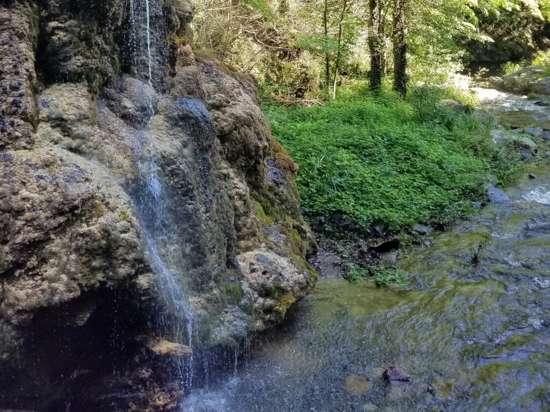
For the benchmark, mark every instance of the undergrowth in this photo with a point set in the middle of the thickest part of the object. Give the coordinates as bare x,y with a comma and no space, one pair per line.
541,60
380,275
383,161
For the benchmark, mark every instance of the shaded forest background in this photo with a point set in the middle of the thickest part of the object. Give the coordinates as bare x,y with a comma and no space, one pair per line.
305,50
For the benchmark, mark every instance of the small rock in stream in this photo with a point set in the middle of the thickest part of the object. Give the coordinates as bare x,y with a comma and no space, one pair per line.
496,195
532,176
534,131
526,143
328,264
422,229
164,347
536,323
395,374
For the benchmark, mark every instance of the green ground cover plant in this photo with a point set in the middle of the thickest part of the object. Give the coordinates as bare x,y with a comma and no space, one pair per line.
379,160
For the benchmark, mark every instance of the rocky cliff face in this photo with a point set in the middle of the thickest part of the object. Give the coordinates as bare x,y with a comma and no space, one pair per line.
77,294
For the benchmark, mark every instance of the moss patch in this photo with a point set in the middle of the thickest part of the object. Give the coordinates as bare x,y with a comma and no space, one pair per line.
521,119
263,217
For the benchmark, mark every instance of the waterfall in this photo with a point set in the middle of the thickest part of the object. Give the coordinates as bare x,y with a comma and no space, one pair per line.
151,197
148,30
151,201
147,39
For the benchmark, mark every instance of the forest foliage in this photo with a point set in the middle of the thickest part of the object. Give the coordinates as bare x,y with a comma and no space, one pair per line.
286,44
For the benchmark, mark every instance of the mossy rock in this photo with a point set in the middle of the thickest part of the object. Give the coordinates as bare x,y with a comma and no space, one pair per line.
521,120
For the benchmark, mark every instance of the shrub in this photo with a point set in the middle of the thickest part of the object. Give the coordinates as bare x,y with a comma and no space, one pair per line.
355,273
382,276
385,277
542,59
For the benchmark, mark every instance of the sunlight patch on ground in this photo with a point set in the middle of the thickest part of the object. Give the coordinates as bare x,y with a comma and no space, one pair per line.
489,95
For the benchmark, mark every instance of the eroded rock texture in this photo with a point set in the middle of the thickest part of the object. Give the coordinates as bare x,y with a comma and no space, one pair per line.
18,38
77,294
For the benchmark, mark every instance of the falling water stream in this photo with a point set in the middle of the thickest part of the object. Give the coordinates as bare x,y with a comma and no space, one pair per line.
152,201
146,40
148,31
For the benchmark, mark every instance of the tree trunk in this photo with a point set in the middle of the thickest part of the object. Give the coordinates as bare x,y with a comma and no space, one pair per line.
283,8
375,44
339,48
382,35
400,48
327,51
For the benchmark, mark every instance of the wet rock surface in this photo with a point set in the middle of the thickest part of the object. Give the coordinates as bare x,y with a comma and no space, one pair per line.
497,195
74,47
18,42
74,262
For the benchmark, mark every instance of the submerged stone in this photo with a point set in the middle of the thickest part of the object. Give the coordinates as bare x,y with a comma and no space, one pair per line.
534,131
496,195
356,385
422,229
395,374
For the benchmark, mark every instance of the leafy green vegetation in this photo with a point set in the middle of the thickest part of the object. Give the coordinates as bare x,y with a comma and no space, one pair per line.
542,60
355,273
382,276
309,50
380,160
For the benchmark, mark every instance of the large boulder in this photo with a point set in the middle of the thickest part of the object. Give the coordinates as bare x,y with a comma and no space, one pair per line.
530,80
70,260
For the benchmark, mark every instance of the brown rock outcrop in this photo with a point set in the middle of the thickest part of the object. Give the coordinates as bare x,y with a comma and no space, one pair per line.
74,266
